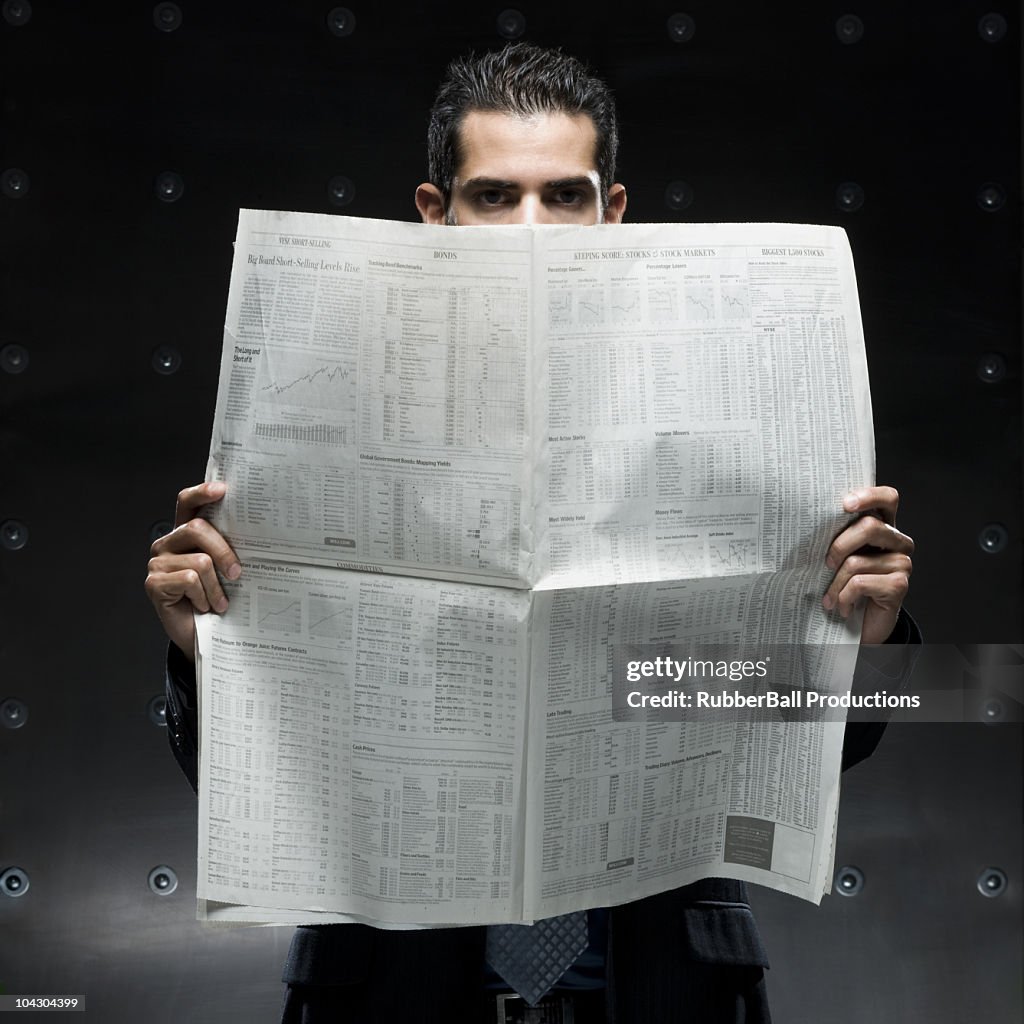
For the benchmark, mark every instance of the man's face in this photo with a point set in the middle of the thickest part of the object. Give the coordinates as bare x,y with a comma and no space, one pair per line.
514,170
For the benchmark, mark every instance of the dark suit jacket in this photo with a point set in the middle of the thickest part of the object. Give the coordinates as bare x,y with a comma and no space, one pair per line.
691,954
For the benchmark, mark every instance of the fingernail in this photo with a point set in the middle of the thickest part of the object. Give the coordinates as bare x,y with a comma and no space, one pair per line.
234,571
851,501
830,562
216,485
222,604
828,602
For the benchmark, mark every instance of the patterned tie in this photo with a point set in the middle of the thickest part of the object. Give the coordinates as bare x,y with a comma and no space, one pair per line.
532,958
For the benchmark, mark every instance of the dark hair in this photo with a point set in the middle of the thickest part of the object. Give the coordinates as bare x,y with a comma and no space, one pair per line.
520,79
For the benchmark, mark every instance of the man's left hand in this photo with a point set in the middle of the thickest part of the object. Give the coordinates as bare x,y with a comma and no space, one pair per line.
872,561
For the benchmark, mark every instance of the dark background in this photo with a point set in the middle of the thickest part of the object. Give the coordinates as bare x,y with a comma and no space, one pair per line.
765,113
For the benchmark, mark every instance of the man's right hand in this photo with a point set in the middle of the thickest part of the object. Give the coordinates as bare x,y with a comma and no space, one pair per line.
184,565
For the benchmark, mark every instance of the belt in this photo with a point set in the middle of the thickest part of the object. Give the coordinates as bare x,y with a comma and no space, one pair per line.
558,1007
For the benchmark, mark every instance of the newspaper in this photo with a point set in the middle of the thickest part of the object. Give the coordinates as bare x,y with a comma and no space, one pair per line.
469,470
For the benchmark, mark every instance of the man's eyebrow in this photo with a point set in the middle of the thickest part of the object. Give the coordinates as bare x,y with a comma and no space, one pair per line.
571,183
487,183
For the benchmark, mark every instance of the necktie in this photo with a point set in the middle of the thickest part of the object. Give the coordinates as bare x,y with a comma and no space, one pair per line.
532,957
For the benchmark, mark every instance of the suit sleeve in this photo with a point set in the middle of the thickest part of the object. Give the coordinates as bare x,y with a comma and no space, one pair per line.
182,718
887,667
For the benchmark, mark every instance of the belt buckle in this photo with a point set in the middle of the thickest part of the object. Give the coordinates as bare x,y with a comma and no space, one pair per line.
552,1009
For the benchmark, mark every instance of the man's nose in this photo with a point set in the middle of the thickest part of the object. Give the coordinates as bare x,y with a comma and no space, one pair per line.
532,210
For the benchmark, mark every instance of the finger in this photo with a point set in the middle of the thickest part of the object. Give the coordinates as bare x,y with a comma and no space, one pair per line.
883,500
887,590
168,589
199,563
865,564
192,498
868,531
199,535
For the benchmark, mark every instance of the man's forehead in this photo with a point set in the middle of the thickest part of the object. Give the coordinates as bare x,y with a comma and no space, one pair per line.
552,146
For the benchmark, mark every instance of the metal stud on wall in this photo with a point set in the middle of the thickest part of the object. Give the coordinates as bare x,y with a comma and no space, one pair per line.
130,142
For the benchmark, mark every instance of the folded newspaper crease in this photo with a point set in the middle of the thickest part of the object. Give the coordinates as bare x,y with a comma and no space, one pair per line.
464,466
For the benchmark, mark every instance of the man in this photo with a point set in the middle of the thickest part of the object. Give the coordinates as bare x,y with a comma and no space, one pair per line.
527,136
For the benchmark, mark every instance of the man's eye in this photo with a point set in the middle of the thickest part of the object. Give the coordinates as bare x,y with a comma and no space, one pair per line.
490,197
570,197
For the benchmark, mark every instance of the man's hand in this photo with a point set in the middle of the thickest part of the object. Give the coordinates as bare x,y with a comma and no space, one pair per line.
184,564
872,561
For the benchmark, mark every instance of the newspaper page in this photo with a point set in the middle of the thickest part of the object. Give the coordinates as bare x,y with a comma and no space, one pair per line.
702,400
703,405
625,803
373,402
362,745
651,425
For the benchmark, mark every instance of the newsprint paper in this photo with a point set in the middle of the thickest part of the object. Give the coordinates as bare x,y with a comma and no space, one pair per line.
471,473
